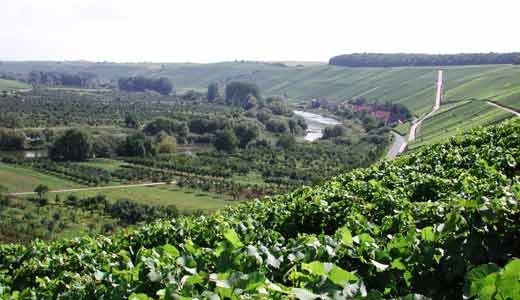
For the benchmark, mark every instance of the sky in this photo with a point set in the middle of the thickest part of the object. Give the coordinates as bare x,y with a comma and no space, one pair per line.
264,30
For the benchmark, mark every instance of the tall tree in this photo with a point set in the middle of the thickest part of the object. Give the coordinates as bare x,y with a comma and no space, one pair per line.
212,92
226,140
74,145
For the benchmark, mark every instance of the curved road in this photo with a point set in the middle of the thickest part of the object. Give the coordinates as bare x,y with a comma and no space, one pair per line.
399,140
436,106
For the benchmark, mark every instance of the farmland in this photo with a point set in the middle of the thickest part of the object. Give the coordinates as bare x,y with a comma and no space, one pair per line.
457,117
412,86
10,85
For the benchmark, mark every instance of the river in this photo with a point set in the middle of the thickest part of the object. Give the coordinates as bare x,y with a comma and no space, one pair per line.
315,124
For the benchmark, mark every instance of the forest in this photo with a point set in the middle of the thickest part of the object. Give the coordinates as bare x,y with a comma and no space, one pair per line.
417,60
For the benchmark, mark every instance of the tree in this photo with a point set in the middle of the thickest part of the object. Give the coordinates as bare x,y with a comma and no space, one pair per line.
3,196
334,131
246,133
12,139
161,85
138,144
131,121
74,145
166,125
167,144
226,140
238,93
212,92
286,141
41,190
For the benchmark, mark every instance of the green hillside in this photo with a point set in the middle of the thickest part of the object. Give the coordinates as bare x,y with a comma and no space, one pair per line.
9,85
457,117
412,86
443,223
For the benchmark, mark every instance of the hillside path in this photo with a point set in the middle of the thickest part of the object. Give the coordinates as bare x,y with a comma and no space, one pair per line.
110,187
437,104
517,113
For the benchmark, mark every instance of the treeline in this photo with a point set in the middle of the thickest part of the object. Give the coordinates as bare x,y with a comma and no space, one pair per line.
161,85
81,79
404,59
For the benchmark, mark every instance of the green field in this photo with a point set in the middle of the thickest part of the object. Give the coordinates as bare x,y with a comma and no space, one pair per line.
457,117
19,179
184,200
9,85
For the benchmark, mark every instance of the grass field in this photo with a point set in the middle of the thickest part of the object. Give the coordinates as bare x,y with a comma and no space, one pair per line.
184,200
19,179
10,85
457,117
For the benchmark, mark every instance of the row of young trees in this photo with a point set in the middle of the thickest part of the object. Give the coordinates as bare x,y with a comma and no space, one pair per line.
405,59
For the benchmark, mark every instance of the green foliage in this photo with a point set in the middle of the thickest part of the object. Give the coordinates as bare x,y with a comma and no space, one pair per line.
334,131
226,140
167,125
12,139
167,144
161,85
405,59
238,93
138,144
213,92
41,190
415,226
73,145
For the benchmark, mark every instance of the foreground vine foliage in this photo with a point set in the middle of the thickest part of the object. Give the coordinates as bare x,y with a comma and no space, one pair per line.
443,223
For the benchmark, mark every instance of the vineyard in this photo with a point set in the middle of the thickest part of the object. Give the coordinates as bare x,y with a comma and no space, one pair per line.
442,223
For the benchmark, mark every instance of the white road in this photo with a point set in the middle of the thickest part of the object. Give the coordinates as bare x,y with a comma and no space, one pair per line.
399,140
436,106
110,187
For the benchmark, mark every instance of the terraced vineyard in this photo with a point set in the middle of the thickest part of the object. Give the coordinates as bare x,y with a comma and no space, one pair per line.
442,223
457,117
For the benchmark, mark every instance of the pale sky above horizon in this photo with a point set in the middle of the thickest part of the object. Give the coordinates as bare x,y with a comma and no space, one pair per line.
267,30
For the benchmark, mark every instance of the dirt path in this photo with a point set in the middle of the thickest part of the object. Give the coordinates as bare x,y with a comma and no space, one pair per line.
517,113
110,187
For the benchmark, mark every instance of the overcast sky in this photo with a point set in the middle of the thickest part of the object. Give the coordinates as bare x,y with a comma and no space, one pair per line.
269,30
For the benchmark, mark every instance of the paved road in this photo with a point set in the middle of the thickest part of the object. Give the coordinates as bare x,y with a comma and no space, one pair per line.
111,187
436,106
399,140
517,113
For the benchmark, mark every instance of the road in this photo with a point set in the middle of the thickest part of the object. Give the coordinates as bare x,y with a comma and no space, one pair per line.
111,187
436,106
399,140
517,113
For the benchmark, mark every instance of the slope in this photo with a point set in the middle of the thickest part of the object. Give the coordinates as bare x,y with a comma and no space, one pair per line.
435,223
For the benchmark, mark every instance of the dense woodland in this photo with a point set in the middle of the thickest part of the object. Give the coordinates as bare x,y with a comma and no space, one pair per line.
416,60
